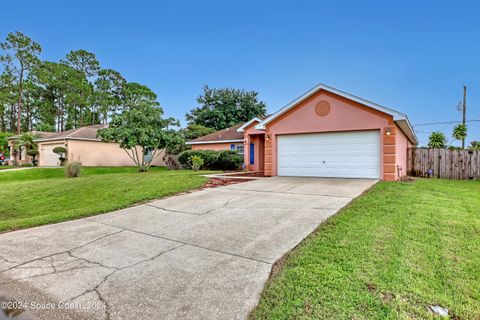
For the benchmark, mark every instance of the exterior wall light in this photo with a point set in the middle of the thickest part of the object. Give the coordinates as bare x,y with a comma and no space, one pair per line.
388,131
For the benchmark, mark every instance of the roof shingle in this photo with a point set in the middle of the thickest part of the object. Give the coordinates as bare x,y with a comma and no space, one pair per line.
222,135
87,133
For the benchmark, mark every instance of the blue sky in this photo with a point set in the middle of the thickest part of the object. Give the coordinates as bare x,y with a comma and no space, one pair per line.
413,56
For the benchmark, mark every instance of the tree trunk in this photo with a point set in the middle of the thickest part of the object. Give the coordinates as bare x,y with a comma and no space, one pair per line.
28,118
19,111
13,117
81,116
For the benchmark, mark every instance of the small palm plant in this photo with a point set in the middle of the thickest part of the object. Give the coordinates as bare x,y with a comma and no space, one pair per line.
27,141
437,140
474,145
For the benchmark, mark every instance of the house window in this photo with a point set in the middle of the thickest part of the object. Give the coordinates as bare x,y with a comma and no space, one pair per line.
240,149
148,155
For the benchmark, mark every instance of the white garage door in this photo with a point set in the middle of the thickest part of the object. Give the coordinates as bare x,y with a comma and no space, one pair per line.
339,154
48,158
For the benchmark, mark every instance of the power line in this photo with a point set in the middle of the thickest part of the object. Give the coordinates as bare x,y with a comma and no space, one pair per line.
473,112
444,122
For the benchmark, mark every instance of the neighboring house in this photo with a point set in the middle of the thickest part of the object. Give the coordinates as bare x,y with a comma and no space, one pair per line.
22,157
82,144
323,133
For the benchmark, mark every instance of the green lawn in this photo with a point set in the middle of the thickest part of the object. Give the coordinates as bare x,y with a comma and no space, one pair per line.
39,196
388,255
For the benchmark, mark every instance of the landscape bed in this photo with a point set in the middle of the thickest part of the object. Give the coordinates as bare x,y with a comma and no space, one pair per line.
393,253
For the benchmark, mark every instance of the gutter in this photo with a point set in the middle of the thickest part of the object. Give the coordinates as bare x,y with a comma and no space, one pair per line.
212,142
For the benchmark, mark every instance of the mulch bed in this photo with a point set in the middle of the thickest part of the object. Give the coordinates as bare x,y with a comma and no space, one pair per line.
248,174
220,182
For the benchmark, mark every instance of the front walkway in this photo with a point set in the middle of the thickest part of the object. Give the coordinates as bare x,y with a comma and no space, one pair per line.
202,255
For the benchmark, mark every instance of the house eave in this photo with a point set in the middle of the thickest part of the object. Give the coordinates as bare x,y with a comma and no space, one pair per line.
66,138
242,128
212,142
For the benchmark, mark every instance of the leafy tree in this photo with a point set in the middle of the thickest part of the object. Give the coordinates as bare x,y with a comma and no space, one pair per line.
86,63
83,61
4,142
140,129
8,100
193,131
109,91
223,108
437,140
474,145
459,132
25,52
62,87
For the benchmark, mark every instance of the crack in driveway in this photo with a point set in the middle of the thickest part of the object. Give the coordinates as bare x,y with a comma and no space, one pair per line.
64,251
286,192
97,287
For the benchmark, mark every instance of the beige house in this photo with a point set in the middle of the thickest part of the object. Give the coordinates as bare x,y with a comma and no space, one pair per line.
82,144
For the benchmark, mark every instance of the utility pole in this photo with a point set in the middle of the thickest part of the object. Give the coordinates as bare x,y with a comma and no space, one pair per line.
464,111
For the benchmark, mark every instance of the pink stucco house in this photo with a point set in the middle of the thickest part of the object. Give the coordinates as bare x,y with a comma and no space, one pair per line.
82,144
323,133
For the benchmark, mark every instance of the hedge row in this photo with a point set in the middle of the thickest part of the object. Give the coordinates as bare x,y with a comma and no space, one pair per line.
213,160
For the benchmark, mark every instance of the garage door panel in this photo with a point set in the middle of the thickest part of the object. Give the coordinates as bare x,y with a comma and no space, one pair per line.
48,157
341,154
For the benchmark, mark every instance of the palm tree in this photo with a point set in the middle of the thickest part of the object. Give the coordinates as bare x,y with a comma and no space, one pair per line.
460,132
27,141
474,145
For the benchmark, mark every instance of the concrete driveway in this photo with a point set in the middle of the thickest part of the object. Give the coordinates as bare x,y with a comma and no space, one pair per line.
202,255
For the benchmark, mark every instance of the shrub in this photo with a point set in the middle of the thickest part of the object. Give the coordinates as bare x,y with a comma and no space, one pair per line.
33,153
212,160
197,162
61,151
229,160
208,156
72,169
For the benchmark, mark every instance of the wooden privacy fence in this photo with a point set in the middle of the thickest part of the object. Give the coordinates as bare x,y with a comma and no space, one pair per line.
444,163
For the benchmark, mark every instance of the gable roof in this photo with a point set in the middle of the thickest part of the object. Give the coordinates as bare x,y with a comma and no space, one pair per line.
400,118
246,124
250,122
82,133
222,136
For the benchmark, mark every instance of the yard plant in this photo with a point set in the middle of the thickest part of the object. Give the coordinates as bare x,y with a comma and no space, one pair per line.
437,140
212,160
72,169
197,162
62,153
390,254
